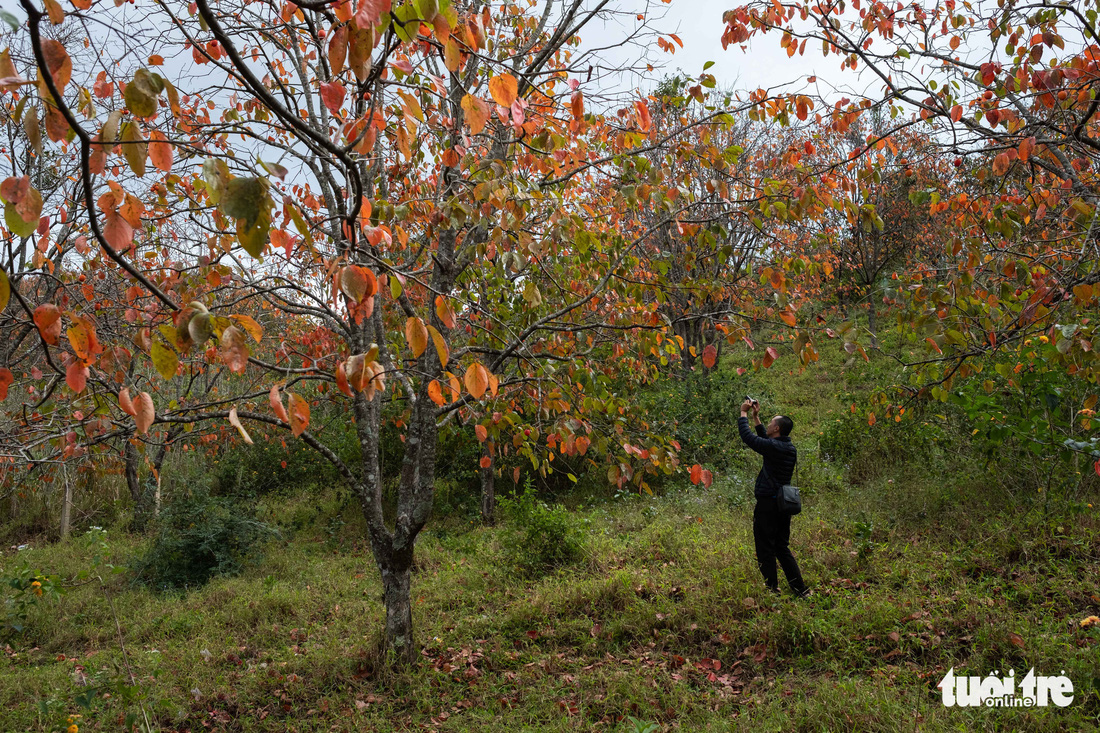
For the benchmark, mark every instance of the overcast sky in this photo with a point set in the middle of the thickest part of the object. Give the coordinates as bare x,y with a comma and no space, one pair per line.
699,25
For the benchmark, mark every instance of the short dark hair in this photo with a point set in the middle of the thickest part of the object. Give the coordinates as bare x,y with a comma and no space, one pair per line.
786,425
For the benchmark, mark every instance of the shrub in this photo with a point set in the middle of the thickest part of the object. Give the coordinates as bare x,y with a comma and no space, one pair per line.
868,450
540,538
201,537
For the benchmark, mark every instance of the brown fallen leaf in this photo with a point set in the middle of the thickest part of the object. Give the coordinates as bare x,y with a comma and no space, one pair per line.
1016,639
749,602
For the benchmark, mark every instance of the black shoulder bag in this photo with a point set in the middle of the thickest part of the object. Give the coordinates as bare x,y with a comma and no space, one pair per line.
787,499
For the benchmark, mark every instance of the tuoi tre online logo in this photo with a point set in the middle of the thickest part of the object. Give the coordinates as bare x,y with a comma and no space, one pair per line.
1033,690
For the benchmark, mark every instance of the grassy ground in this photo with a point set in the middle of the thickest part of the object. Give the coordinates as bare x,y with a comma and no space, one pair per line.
664,621
921,567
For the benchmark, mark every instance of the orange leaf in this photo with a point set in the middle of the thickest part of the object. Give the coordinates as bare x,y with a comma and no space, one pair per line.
440,346
47,317
477,112
477,380
503,89
124,402
644,120
582,444
145,412
358,283
83,339
160,151
253,329
1027,146
342,379
444,311
871,419
770,355
486,461
788,317
299,414
277,404
435,392
452,56
482,433
234,349
417,336
338,49
696,473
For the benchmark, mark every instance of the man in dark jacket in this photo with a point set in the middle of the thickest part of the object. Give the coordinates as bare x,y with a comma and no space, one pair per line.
771,529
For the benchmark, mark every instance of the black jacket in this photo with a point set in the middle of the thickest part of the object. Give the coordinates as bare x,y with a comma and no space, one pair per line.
780,457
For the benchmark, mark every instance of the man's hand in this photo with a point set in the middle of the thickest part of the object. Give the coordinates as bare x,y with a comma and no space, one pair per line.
746,406
756,410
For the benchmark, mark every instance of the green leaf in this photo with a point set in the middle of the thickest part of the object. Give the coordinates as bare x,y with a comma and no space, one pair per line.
216,174
407,25
142,92
10,19
134,148
247,200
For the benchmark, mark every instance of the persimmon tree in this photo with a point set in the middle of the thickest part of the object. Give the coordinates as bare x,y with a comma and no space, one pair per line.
1007,93
390,208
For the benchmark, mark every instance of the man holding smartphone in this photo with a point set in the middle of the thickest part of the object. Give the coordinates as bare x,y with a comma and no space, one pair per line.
771,528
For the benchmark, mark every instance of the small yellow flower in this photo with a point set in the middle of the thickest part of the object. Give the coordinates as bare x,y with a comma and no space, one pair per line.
1044,339
72,729
1090,621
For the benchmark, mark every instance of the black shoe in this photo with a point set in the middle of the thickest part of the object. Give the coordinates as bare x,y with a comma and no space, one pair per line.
805,593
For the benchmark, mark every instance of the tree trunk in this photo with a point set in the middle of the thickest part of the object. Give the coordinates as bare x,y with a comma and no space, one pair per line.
142,496
67,509
488,492
872,319
399,629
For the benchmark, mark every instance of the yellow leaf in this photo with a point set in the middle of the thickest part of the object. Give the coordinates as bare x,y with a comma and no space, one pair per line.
236,422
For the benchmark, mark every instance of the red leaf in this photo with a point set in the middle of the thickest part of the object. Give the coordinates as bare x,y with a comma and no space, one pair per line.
76,376
370,11
710,356
770,355
7,379
486,461
696,473
332,94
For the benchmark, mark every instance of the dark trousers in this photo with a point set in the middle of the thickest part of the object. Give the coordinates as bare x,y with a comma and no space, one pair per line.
772,533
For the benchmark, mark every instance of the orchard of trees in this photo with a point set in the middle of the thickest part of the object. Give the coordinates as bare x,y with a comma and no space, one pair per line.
250,220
